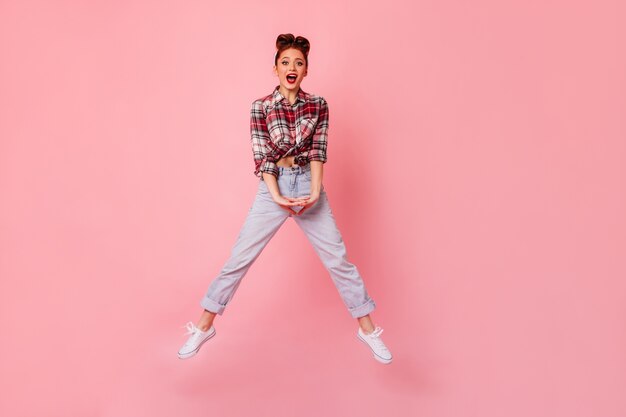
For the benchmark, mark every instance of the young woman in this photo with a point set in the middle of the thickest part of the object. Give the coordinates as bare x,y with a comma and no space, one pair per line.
289,130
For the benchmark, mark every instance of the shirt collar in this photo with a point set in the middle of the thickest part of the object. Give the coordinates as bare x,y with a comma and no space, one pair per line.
277,96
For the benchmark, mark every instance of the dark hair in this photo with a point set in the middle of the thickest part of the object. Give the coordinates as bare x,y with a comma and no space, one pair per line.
287,40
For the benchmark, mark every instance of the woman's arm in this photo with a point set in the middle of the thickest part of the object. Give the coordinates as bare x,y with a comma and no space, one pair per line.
317,173
319,142
272,184
317,153
262,151
317,156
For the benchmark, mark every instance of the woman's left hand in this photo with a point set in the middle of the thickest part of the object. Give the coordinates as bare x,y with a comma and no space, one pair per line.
312,198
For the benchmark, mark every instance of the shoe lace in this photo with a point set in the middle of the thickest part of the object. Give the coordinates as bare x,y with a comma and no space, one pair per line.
191,329
376,340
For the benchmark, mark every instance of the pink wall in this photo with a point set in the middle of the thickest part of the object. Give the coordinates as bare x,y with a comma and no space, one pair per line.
475,168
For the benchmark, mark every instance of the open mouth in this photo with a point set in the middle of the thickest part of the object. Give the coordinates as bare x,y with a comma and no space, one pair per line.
292,78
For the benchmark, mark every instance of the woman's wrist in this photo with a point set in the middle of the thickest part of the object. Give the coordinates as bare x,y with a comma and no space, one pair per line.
272,184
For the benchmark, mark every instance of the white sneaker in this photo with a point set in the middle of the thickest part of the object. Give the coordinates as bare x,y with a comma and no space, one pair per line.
197,338
375,343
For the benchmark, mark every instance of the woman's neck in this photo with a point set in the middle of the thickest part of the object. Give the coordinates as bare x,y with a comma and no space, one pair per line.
290,95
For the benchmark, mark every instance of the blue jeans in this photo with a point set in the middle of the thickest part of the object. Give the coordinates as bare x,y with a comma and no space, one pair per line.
264,219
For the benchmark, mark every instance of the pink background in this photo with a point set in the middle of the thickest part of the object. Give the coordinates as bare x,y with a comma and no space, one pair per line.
475,168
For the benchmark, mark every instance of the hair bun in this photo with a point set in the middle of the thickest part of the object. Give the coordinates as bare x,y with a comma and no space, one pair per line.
304,43
284,39
287,40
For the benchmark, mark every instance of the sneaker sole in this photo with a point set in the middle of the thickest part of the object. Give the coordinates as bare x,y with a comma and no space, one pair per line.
377,357
193,352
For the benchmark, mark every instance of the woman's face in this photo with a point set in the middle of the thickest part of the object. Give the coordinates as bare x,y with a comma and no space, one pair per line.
290,62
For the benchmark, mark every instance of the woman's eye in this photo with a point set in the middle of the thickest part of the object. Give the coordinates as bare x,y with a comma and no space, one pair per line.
300,63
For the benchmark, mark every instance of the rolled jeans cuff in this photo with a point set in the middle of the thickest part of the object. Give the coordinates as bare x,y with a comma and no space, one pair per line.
363,310
212,306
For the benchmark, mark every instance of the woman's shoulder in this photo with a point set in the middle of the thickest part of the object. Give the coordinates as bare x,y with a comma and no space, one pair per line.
315,98
308,96
267,101
263,100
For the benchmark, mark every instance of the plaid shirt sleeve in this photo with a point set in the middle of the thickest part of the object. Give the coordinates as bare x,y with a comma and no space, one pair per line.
320,137
260,137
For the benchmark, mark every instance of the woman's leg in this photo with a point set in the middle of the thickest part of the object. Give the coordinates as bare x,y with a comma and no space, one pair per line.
366,324
319,226
264,219
206,320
